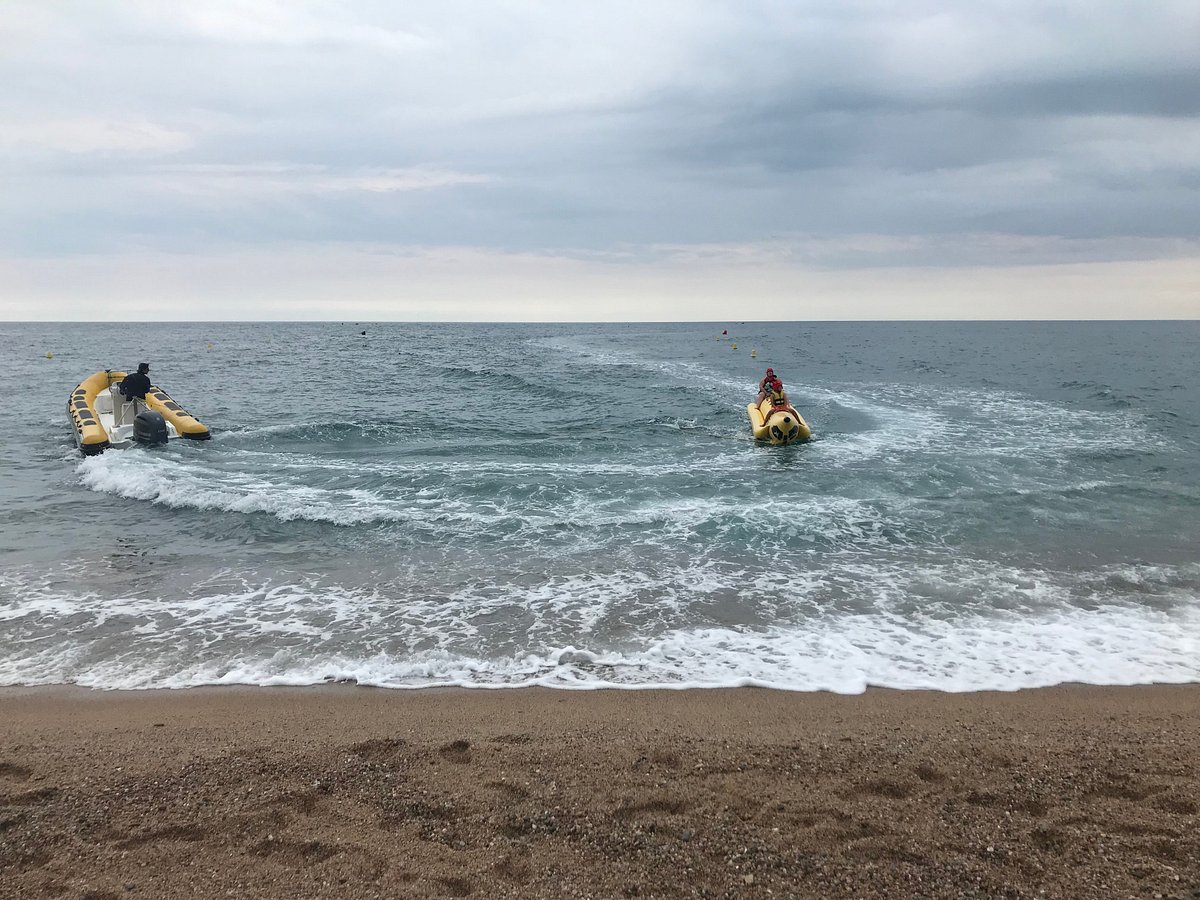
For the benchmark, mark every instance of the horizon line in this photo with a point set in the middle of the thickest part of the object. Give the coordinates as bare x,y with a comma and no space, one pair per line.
583,321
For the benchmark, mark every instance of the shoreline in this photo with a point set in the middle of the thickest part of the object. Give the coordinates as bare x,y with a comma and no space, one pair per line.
344,791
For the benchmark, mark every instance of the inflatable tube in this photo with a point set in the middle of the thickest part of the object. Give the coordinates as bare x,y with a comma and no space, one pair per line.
90,433
81,407
185,423
777,424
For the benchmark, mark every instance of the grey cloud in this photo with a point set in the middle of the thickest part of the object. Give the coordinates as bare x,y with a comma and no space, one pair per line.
1174,93
628,126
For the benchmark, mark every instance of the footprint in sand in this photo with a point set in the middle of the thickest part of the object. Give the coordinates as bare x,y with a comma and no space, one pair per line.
299,853
32,798
457,751
456,887
512,739
378,748
13,772
660,806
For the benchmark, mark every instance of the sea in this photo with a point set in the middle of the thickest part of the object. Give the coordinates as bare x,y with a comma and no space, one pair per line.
983,506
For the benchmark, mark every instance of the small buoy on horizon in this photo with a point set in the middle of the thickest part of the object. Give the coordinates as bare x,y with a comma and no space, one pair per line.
735,346
364,332
49,355
210,345
726,331
753,354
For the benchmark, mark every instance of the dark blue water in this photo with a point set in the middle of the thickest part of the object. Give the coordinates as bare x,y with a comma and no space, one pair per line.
984,505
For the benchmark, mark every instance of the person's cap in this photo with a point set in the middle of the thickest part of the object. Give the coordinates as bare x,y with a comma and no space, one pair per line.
143,368
770,371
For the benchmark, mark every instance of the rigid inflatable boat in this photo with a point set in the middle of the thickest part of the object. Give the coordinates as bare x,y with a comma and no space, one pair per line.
102,417
777,422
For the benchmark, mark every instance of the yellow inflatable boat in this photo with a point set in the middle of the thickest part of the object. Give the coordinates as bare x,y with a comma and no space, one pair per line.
102,417
777,422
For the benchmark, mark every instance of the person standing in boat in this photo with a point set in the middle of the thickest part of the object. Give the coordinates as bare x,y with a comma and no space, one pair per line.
134,387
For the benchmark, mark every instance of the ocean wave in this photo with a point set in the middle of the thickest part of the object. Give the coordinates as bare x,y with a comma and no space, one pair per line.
522,505
960,424
138,476
1110,646
954,627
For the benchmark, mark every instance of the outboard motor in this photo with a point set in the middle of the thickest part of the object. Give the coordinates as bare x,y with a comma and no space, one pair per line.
149,427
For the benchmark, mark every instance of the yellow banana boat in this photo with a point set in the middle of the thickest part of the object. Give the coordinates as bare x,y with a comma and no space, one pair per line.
102,417
777,422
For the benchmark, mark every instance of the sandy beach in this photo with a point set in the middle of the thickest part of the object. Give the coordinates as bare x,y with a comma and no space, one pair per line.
350,792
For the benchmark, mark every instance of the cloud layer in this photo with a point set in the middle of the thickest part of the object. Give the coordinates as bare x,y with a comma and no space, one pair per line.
818,137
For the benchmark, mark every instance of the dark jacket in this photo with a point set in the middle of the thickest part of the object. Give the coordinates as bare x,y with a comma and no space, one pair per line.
135,385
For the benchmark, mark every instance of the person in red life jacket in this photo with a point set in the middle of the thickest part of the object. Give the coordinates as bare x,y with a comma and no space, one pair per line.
778,397
764,386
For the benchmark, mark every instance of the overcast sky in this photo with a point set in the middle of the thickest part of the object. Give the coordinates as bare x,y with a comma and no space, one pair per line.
658,160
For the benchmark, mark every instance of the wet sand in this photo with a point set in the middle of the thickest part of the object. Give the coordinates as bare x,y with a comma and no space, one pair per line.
350,792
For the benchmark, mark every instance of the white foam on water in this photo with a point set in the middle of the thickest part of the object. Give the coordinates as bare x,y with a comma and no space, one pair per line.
280,492
997,425
178,485
663,519
1112,646
991,425
891,627
987,448
933,418
652,465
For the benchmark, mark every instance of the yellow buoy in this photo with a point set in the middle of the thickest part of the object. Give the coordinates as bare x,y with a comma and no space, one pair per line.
753,354
735,346
49,355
